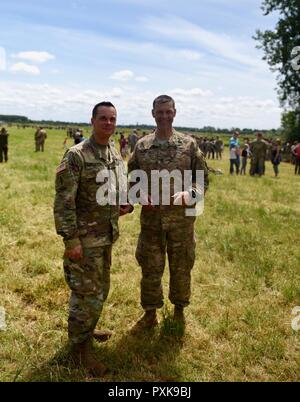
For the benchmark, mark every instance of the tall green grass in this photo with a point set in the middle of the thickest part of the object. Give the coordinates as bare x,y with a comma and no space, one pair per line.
245,282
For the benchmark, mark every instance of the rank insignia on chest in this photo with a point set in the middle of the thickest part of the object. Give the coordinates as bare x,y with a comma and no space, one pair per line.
61,167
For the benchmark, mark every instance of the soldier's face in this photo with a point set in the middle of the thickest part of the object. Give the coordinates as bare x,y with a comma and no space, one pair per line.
104,123
164,114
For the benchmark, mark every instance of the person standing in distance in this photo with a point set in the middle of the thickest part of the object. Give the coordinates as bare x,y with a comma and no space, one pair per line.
3,145
258,150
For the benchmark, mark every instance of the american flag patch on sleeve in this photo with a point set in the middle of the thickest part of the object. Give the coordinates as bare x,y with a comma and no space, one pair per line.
61,167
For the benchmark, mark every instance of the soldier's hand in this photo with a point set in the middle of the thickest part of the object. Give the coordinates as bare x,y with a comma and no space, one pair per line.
125,209
75,253
182,198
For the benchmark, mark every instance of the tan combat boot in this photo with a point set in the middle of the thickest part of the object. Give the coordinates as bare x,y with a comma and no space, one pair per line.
101,335
147,322
179,315
82,355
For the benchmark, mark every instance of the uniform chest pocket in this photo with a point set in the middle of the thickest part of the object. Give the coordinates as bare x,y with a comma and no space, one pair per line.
182,158
92,170
148,158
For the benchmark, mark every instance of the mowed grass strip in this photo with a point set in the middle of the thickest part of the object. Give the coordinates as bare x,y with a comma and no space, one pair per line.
245,282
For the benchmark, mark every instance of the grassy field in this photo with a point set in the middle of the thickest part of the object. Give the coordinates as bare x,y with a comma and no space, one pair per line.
245,283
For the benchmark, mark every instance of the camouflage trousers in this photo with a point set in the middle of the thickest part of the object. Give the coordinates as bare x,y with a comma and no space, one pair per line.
297,165
89,281
257,166
39,146
3,153
154,243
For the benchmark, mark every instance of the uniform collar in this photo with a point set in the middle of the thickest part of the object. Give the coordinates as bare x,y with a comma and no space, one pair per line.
100,150
173,141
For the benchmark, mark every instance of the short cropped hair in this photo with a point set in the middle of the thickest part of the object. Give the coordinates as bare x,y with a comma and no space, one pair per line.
106,104
163,99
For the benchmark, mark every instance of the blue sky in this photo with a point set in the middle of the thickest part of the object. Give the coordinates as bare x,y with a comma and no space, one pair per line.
59,58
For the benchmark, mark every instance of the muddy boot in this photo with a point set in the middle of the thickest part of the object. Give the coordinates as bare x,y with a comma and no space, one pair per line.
147,322
179,315
82,355
101,335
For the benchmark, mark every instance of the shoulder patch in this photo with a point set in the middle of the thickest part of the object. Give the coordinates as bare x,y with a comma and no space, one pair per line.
61,167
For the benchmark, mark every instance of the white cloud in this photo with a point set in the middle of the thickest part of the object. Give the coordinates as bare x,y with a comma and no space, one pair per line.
127,75
190,55
45,101
150,51
195,107
221,45
2,59
115,92
35,57
123,75
190,92
25,68
141,79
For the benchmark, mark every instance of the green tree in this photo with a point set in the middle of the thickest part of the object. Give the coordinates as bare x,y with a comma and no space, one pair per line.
278,45
290,123
13,118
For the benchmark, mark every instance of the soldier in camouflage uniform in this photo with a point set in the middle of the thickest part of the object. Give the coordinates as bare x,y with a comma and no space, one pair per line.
36,139
3,145
166,229
258,149
40,137
219,148
89,230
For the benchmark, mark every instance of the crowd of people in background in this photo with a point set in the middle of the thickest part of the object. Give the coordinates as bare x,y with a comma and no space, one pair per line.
257,151
74,133
127,145
212,148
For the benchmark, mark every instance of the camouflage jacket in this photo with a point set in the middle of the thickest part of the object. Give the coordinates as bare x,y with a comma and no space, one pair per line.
180,152
258,148
4,139
40,135
78,216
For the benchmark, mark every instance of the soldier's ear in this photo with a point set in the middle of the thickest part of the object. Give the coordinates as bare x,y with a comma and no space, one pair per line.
175,112
153,115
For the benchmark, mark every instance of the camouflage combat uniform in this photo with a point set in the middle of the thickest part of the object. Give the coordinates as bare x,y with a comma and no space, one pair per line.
41,137
219,148
3,145
258,150
81,220
166,229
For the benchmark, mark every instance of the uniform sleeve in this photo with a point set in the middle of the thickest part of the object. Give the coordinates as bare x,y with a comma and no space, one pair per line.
131,166
133,162
66,186
199,163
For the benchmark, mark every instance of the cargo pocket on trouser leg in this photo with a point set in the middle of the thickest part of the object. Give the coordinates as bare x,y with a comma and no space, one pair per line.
150,255
106,271
85,280
181,261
